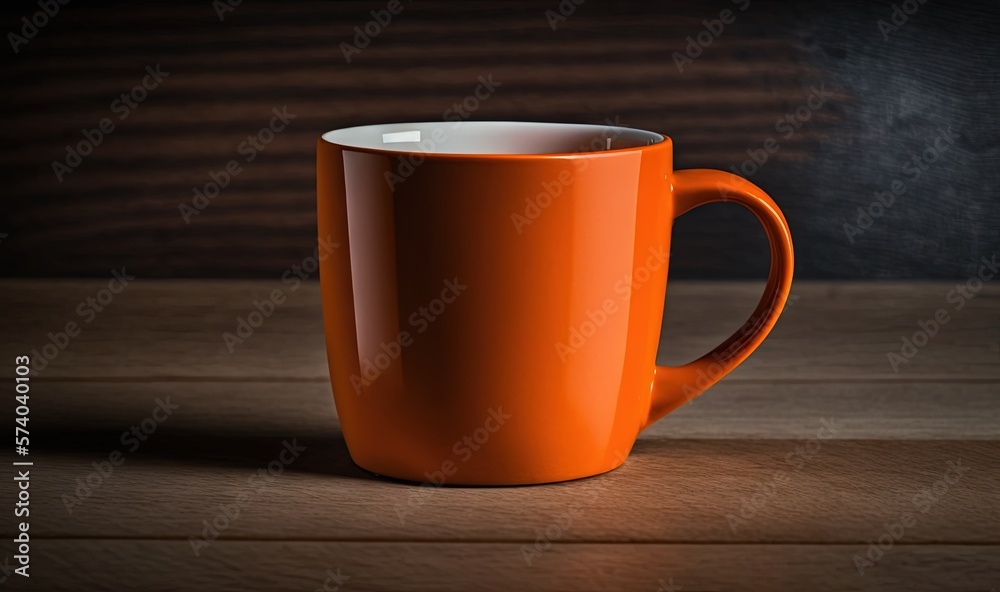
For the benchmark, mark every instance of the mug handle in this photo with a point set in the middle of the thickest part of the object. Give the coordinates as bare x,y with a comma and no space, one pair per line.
675,385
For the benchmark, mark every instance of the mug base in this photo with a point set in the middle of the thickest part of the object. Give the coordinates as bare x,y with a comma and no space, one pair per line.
492,480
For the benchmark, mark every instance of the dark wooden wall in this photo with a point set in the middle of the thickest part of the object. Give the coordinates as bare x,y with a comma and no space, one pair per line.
890,99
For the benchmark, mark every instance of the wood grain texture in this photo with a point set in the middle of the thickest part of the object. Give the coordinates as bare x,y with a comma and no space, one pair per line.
677,491
889,99
167,566
174,329
732,410
741,489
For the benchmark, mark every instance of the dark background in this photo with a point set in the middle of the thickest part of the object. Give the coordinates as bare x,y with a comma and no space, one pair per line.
891,99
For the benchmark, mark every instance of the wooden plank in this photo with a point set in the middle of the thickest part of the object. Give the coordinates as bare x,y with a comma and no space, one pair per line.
677,491
385,55
174,329
460,80
731,410
168,566
912,411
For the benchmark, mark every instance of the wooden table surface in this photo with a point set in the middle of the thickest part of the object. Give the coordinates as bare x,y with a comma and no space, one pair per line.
778,478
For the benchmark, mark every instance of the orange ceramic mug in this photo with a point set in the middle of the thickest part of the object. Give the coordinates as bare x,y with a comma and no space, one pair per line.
493,309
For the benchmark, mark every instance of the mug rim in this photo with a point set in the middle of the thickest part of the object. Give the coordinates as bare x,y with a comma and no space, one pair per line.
331,138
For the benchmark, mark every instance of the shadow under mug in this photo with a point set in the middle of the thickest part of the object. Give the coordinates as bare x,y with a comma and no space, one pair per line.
493,293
